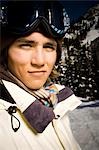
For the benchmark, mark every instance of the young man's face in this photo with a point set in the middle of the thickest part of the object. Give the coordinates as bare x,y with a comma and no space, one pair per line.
31,59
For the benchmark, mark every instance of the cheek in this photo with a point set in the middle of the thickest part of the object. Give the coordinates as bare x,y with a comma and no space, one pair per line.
18,57
52,59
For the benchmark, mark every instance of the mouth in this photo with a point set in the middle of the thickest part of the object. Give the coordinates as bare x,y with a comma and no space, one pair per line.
37,73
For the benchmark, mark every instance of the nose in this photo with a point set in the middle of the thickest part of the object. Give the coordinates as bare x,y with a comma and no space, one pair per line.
38,57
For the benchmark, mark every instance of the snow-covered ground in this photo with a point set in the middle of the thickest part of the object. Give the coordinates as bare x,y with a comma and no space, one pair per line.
85,125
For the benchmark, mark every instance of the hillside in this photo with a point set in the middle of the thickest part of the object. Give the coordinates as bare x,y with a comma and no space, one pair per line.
79,65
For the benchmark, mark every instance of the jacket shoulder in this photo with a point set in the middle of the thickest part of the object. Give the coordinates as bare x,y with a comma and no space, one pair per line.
64,92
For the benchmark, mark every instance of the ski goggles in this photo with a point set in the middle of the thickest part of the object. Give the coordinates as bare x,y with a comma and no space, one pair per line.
23,16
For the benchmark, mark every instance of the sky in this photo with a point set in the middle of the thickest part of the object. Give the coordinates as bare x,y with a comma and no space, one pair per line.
77,8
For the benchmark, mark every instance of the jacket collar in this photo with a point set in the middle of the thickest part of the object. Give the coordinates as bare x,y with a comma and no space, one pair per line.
15,94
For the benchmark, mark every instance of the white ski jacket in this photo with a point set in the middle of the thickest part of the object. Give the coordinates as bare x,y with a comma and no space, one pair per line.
56,136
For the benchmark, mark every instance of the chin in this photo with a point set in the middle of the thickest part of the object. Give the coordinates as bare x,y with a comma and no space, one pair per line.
35,86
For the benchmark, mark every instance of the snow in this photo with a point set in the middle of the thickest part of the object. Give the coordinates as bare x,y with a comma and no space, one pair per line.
91,36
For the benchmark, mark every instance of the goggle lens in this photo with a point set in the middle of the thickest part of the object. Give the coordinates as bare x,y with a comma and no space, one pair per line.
22,15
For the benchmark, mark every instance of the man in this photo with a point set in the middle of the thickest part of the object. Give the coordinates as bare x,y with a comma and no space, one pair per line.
33,110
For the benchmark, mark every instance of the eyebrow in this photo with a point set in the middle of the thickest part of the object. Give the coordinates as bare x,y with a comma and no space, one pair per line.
50,43
25,41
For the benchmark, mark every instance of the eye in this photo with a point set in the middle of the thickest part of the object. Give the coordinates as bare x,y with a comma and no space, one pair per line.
25,46
49,48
